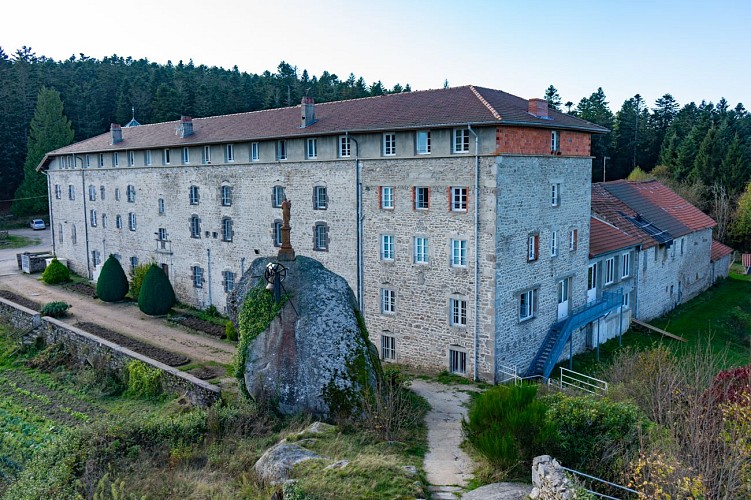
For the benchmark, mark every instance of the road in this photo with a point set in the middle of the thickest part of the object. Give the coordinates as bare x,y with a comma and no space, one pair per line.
124,317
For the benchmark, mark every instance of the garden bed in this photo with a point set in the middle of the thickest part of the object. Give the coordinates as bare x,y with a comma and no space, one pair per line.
81,288
21,300
208,372
200,325
148,350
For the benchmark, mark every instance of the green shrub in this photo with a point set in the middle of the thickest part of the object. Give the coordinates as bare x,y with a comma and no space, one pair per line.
508,426
55,273
143,381
55,309
136,279
230,331
112,284
156,296
595,435
212,311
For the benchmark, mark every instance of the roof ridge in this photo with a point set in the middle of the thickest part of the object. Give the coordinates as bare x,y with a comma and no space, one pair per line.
479,96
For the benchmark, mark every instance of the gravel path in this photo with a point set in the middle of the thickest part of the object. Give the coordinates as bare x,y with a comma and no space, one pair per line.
122,317
447,467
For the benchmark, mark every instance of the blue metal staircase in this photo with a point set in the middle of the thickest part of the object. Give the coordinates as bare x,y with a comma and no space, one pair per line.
560,332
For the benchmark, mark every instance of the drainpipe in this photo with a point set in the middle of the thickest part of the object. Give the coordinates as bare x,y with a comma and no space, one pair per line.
636,284
49,207
208,251
85,216
477,252
358,181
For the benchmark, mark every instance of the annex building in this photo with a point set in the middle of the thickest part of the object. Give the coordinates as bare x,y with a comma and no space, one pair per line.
460,217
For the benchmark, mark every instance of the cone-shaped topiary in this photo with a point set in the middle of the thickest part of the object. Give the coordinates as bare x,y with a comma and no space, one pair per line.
112,284
55,273
156,296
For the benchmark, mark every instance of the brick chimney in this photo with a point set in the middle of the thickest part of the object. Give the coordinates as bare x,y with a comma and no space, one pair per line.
117,133
185,128
308,112
538,108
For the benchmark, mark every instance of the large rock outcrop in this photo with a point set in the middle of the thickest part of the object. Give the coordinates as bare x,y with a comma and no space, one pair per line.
315,356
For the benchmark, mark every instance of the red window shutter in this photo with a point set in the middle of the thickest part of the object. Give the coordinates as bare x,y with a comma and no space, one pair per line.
576,238
537,247
413,197
380,196
428,198
448,196
468,195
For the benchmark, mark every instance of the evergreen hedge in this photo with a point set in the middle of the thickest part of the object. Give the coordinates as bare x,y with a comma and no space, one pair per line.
156,296
55,273
112,284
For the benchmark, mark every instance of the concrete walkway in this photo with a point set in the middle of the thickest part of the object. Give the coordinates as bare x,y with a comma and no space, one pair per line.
447,467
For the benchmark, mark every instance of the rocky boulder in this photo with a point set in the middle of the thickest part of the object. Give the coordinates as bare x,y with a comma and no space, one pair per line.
315,356
275,466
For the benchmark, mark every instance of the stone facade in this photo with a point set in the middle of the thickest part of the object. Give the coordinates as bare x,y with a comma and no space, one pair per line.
623,274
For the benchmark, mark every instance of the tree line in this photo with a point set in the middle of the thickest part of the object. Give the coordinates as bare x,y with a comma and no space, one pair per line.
701,151
96,93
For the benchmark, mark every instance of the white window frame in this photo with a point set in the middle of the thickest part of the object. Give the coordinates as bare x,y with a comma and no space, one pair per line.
610,271
459,198
102,192
186,155
387,247
229,153
160,206
226,192
527,307
555,195
388,301
131,193
626,300
133,262
573,236
58,191
71,192
421,250
101,160
388,347
389,144
132,221
92,217
320,198
311,148
227,232
554,244
460,143
532,247
228,281
161,234
147,157
117,194
458,253
625,265
116,159
281,150
197,276
131,158
321,237
118,221
195,226
92,192
457,312
591,277
555,141
457,362
254,153
422,142
96,258
88,160
166,156
104,221
278,195
422,198
387,197
345,146
206,154
277,233
194,196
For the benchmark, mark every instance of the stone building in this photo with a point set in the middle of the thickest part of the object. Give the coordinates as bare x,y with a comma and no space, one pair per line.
460,217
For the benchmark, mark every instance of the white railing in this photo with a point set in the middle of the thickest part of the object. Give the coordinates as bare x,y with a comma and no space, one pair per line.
570,378
508,374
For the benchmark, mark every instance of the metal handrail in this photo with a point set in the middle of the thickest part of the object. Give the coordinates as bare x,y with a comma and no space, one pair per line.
583,381
614,485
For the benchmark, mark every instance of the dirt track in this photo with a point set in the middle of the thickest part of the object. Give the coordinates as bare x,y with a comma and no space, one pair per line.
124,318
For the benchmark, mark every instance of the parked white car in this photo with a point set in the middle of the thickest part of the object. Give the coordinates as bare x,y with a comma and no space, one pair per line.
37,224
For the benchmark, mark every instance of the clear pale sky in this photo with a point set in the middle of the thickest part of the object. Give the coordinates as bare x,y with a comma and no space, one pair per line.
692,49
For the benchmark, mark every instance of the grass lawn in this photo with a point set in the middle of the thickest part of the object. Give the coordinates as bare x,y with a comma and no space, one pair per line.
721,315
13,241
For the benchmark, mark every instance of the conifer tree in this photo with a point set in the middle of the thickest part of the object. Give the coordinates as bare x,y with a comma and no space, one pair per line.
112,284
553,98
50,130
157,295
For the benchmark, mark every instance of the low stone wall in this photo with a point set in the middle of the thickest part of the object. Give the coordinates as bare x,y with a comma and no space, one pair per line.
99,353
20,317
549,481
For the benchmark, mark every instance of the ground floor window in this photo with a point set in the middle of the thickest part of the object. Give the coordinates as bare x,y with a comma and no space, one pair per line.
457,362
388,347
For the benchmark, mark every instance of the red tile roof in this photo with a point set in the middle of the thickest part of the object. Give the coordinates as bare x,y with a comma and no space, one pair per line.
719,251
746,260
677,207
613,211
408,110
605,238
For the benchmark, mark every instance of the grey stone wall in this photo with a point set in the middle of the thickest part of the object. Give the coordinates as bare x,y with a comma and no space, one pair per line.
94,351
524,207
